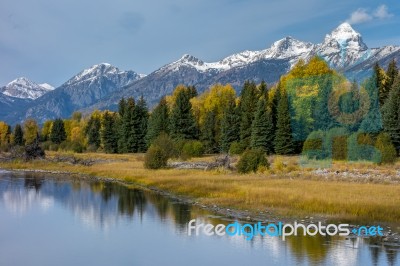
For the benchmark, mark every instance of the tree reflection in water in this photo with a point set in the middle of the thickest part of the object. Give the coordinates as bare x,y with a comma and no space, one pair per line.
109,201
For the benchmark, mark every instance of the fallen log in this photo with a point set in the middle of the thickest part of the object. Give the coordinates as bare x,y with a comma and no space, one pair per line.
222,161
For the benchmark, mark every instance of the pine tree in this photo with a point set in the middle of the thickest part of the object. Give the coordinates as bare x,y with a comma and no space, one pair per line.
391,114
262,132
230,125
192,91
263,89
248,105
380,84
140,124
372,121
109,130
57,133
283,142
122,146
182,122
209,132
121,107
92,131
158,121
18,135
392,73
322,117
129,132
275,102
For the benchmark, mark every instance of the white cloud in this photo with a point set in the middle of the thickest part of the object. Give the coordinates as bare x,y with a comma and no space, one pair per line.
382,12
362,15
359,16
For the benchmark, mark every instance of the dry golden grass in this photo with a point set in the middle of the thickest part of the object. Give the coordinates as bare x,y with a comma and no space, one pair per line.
286,188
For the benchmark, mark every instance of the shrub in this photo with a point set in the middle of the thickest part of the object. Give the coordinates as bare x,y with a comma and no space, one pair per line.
159,152
53,147
178,147
92,148
361,148
155,158
166,144
46,145
386,148
235,148
77,147
251,160
336,142
313,146
192,148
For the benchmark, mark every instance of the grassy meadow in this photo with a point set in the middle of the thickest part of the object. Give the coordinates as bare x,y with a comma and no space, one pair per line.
357,191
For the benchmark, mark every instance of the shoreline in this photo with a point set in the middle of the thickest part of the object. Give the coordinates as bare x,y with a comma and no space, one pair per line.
389,238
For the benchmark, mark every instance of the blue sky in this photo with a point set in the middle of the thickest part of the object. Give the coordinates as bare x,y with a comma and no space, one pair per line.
50,41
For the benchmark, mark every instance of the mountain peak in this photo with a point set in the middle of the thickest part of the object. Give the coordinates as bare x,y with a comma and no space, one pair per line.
347,37
25,89
288,47
189,59
345,26
22,81
94,71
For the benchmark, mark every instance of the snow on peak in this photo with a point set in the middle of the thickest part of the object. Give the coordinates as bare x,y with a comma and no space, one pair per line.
346,36
343,46
25,89
189,58
47,86
288,47
93,72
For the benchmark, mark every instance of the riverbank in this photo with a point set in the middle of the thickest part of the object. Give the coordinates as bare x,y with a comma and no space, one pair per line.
357,193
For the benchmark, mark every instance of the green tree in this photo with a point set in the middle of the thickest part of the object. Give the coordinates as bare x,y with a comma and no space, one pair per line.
323,120
141,114
158,121
182,122
248,104
230,126
209,132
391,114
385,146
57,133
31,131
263,90
92,130
5,132
381,84
18,135
372,121
262,132
121,125
283,142
109,132
392,73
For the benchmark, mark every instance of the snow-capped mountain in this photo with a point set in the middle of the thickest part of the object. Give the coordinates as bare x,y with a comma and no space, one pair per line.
102,86
286,48
23,88
82,90
343,47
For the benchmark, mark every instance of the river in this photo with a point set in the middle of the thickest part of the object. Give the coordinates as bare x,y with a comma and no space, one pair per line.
55,220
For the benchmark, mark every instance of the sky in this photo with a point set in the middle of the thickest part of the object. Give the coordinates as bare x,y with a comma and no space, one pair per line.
50,41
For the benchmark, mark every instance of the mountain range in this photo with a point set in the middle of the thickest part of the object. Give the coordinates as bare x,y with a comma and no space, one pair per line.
102,86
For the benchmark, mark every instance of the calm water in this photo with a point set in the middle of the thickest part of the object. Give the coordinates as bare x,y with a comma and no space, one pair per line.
53,221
